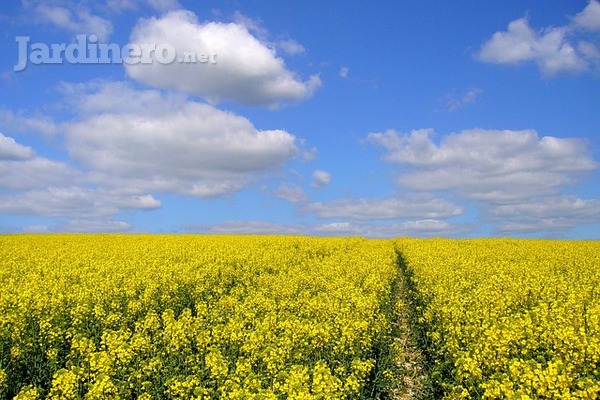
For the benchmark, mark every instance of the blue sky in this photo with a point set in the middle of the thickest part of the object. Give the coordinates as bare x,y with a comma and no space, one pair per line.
379,119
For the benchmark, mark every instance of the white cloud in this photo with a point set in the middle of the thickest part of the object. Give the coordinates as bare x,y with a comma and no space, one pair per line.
164,5
43,187
527,225
37,173
551,207
320,179
370,209
516,177
253,25
340,228
246,71
513,46
589,18
590,51
431,226
17,122
78,20
309,154
553,213
553,49
98,97
131,144
344,71
73,202
187,148
158,5
417,228
250,227
121,5
11,150
488,165
549,49
291,47
85,225
291,193
454,103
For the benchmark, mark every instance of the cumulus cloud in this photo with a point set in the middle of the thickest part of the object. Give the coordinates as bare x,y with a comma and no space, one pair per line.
290,46
35,185
17,122
549,49
552,207
112,97
250,227
73,202
320,179
454,103
489,165
291,193
555,213
553,49
164,5
11,150
516,178
419,228
160,6
246,71
132,144
77,20
121,5
84,225
589,18
35,173
370,209
187,148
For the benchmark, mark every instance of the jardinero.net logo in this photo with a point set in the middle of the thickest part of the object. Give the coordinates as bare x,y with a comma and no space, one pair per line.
87,50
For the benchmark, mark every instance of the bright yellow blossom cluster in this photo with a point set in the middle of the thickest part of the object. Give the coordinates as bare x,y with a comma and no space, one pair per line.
192,317
508,319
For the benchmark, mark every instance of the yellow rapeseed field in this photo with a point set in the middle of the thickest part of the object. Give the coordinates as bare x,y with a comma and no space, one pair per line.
191,317
508,319
277,317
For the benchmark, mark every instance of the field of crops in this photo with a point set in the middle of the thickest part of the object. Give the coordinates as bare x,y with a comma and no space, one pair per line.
191,317
508,319
268,317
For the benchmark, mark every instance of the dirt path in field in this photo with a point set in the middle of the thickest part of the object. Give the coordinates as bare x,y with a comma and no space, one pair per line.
409,361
